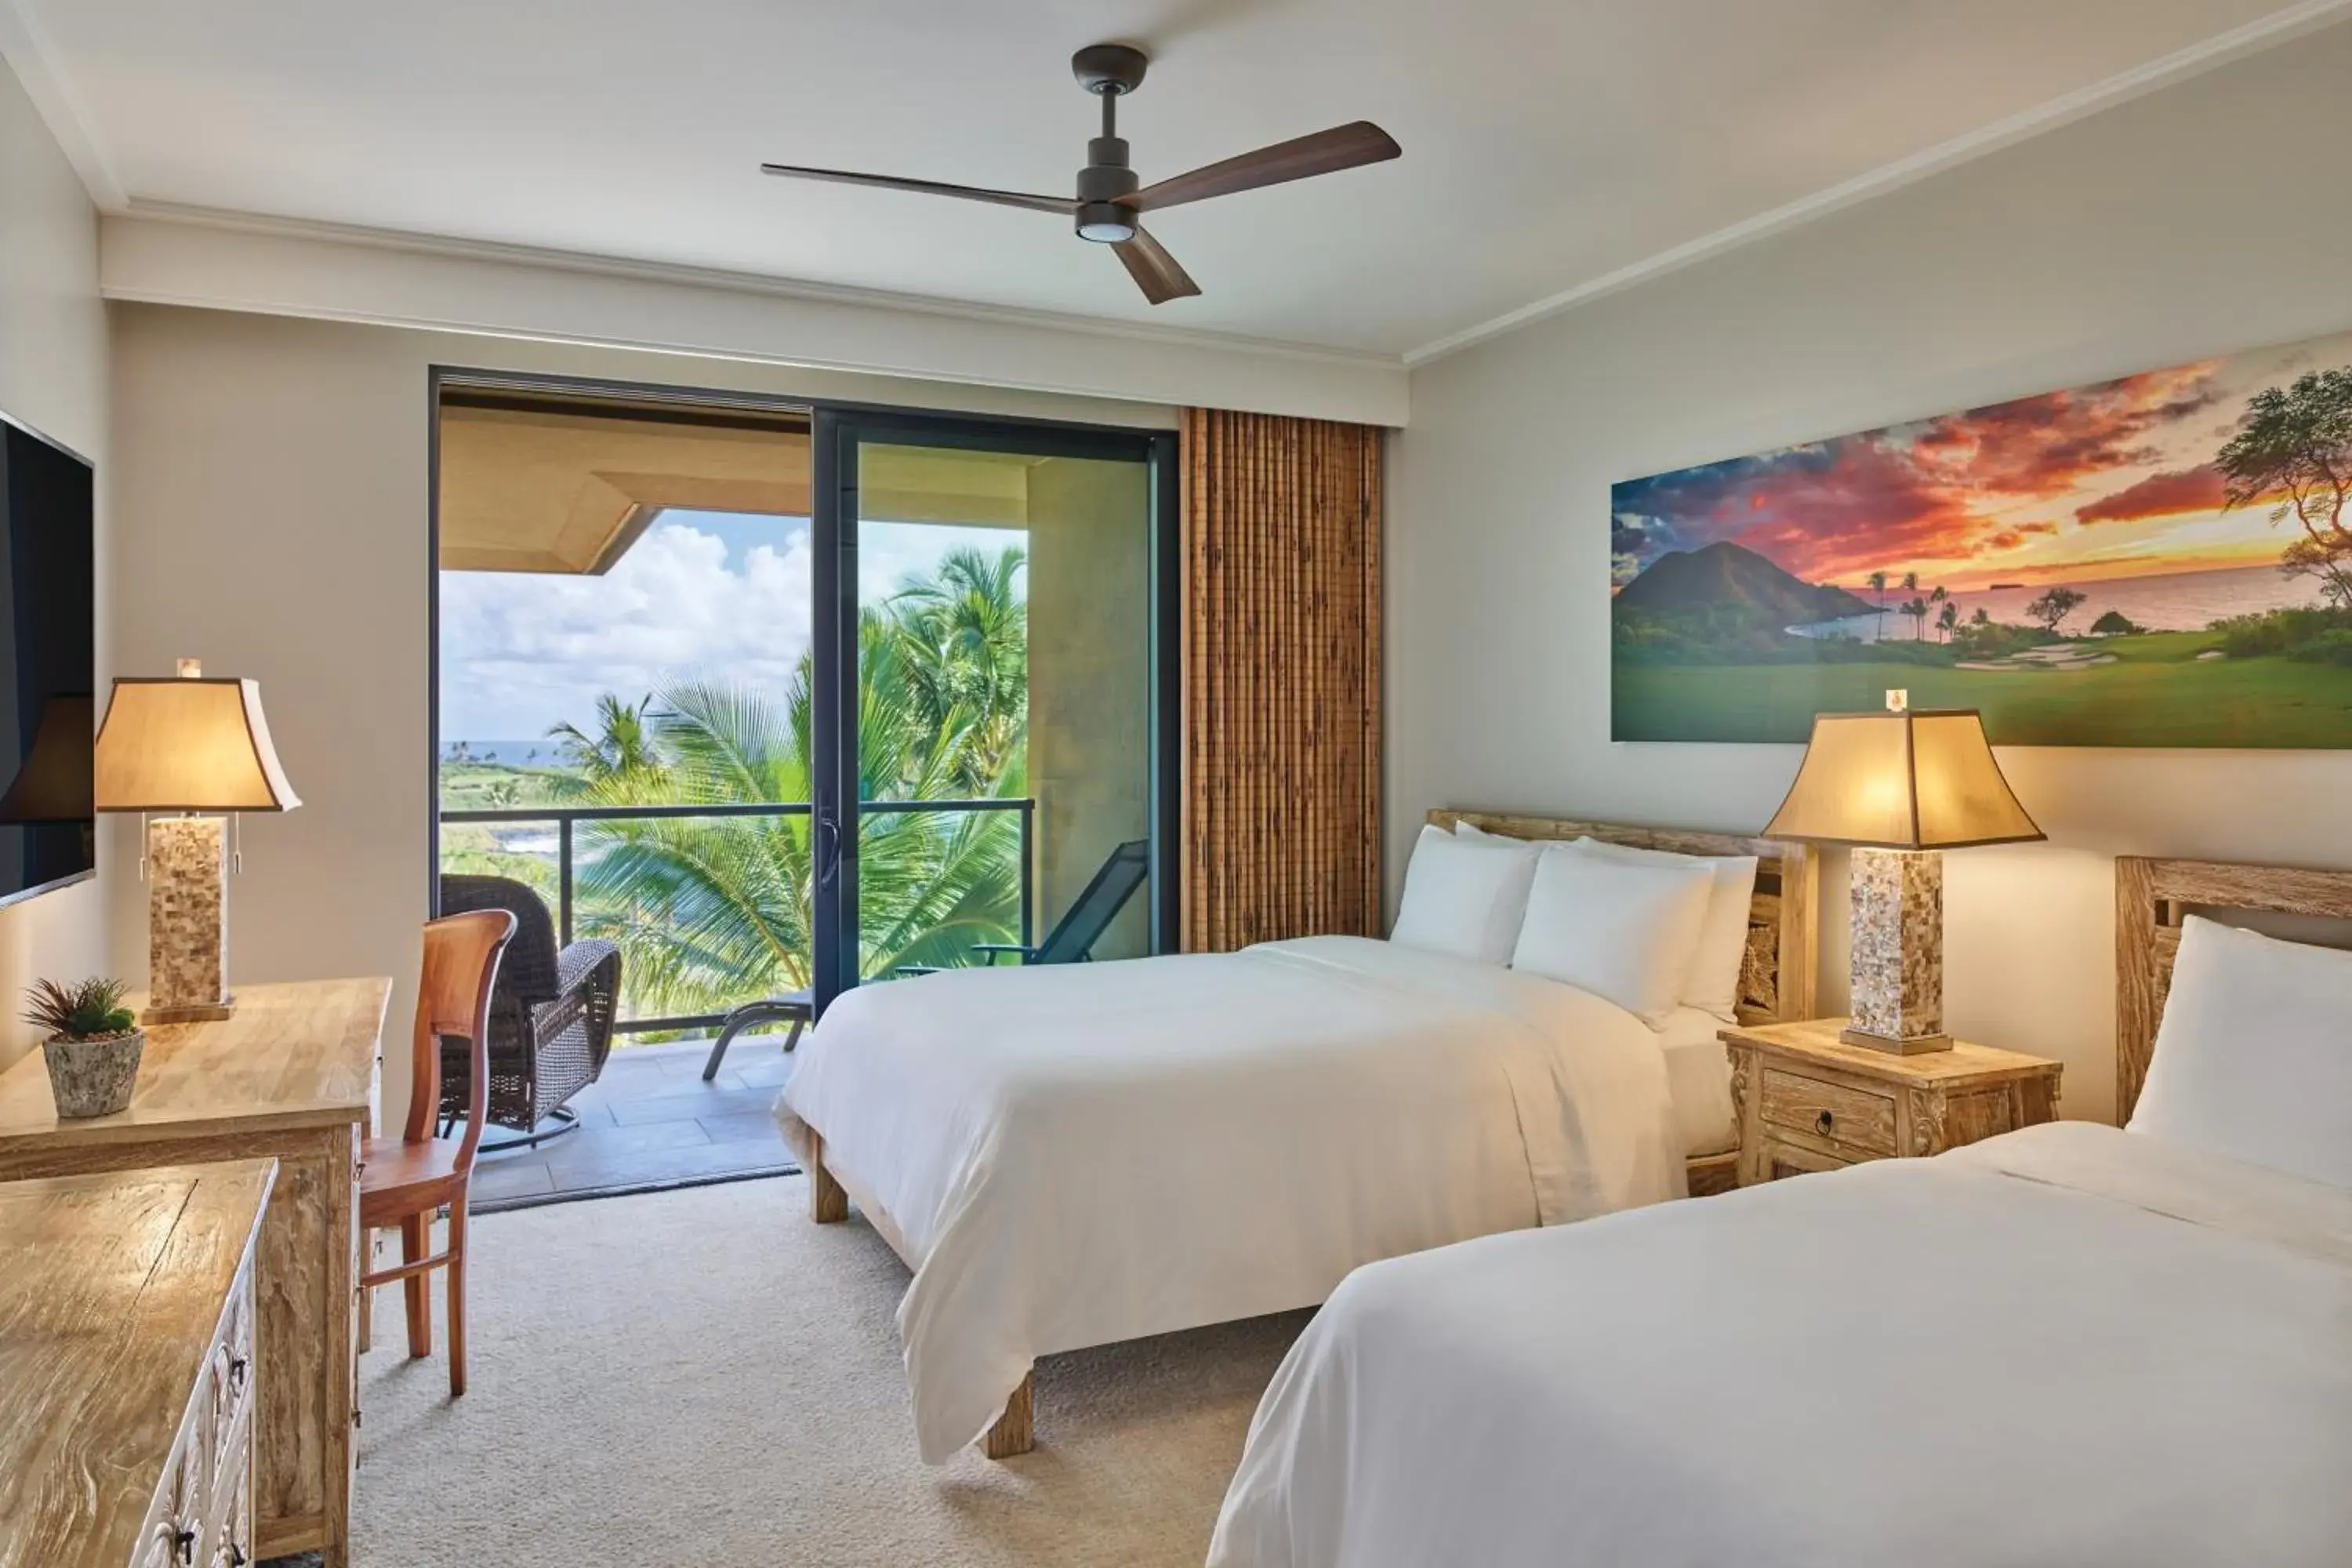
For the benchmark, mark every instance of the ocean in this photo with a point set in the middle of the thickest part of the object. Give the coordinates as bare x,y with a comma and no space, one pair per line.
541,754
2175,602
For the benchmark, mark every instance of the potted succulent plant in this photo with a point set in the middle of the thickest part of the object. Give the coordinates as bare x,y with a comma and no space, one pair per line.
93,1046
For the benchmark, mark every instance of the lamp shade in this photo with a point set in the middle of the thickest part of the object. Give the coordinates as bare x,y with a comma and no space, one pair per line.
1922,780
188,743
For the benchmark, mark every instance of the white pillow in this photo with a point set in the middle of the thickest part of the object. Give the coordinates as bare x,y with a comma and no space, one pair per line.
1711,984
2253,1058
1462,897
1621,929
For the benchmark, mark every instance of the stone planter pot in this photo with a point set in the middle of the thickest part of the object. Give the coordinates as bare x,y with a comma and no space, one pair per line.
94,1077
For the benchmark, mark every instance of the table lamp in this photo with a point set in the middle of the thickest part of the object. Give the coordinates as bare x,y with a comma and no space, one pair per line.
188,752
1899,788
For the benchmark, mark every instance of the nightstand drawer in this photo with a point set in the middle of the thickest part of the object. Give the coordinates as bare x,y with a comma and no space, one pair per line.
1833,1113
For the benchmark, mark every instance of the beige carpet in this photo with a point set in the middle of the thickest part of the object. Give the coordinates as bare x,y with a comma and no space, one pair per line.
703,1378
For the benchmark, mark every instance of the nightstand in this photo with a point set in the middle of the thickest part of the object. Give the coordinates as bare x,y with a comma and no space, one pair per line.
1806,1101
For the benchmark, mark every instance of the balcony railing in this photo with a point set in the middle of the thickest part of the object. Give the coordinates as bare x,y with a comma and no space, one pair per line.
566,818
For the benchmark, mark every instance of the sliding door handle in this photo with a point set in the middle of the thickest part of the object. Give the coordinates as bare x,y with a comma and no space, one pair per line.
828,848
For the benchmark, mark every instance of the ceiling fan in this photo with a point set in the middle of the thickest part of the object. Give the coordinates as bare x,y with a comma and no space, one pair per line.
1108,202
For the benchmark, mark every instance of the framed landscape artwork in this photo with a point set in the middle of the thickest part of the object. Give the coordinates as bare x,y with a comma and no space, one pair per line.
2165,560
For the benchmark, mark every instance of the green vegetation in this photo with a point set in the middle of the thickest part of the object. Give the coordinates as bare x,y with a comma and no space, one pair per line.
712,910
2293,449
2283,679
87,1010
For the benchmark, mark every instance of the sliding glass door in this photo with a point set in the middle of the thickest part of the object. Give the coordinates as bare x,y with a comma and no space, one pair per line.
994,692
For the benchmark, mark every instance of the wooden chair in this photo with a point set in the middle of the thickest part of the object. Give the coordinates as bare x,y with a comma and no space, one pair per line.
405,1181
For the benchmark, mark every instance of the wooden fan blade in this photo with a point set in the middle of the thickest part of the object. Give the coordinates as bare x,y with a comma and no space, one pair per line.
1155,271
1063,205
1324,152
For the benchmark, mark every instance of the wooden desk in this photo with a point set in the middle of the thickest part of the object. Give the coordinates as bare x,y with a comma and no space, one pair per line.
126,1364
291,1077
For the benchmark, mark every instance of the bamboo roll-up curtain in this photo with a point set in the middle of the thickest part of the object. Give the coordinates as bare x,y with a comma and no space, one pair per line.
1282,678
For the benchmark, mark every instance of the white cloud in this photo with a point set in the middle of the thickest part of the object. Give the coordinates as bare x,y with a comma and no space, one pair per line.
521,652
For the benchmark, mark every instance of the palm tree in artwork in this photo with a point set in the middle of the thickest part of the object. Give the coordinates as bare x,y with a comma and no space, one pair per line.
1949,621
1878,593
1937,596
1917,608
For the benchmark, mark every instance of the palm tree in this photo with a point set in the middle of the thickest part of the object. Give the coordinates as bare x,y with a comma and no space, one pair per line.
709,910
1917,608
1948,621
1936,596
620,753
1878,591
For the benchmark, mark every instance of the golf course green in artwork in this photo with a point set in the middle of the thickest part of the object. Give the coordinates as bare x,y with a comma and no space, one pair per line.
2165,560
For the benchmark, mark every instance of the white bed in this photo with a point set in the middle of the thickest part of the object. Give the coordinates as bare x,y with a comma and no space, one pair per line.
2068,1344
1083,1154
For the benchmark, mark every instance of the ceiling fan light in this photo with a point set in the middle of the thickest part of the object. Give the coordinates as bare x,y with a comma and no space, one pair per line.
1106,223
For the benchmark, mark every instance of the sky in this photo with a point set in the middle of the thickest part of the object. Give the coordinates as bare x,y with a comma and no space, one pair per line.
2107,480
699,593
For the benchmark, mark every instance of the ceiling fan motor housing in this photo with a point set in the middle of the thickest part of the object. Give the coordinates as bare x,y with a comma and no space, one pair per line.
1101,182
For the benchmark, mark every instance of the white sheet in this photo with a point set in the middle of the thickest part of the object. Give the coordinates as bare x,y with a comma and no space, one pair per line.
1087,1153
2069,1345
1698,1080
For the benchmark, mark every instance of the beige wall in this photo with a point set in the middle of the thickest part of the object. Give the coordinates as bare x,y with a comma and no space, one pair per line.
2196,221
1089,681
53,371
270,487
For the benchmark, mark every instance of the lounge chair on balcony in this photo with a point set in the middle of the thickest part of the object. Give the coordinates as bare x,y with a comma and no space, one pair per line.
1072,941
550,1016
1073,938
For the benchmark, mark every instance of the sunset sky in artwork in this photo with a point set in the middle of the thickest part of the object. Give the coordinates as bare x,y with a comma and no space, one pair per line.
2109,480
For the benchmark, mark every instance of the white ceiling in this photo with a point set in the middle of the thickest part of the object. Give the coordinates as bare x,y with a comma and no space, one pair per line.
1551,146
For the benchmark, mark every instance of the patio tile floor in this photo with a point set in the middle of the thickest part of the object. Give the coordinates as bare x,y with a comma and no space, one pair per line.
649,1122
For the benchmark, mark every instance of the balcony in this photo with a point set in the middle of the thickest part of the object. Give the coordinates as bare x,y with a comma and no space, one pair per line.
651,1120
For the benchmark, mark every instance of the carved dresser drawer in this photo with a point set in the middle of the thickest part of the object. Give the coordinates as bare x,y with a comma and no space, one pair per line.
126,1354
1808,1101
1852,1122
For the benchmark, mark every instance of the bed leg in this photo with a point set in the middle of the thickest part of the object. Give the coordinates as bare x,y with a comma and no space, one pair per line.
828,1204
1015,1431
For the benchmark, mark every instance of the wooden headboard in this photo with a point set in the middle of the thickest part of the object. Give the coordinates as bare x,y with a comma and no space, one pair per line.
2151,897
1776,983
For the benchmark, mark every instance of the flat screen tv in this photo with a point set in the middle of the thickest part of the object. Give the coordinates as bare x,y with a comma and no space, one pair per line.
49,831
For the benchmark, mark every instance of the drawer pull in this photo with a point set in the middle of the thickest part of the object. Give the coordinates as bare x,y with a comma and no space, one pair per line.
184,1546
1826,1123
240,1368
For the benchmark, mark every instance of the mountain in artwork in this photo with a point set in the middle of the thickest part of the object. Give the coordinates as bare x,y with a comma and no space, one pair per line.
1725,575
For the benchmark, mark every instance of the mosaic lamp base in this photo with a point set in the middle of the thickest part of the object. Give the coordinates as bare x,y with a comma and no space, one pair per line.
1898,952
187,921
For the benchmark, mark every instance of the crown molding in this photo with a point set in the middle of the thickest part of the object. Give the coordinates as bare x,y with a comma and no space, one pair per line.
201,259
25,43
689,275
2279,28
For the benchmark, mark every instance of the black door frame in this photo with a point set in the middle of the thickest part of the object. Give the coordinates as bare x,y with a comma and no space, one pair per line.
837,432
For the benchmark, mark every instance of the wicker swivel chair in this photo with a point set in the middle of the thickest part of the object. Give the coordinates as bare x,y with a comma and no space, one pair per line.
550,1015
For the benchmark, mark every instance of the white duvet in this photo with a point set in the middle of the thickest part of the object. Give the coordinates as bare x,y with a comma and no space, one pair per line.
1084,1154
2071,1345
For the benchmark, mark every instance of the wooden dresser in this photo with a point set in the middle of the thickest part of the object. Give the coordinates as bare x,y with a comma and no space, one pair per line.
127,1367
292,1078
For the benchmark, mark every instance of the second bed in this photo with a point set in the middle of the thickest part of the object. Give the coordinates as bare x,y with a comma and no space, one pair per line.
1083,1154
